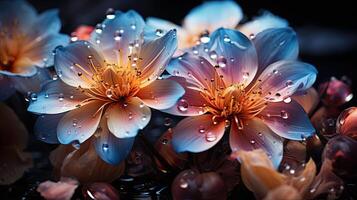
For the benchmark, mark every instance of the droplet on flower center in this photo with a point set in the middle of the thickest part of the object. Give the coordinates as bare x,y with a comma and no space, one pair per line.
182,105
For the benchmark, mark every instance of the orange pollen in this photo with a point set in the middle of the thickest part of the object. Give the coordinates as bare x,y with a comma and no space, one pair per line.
234,102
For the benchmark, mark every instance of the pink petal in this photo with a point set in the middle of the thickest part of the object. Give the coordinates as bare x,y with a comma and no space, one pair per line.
190,104
125,119
256,135
197,134
61,190
308,99
161,94
81,123
288,120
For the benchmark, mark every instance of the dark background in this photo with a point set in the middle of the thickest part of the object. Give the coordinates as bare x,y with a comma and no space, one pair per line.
327,30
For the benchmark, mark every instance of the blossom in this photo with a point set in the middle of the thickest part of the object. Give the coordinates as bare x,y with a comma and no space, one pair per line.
61,190
82,32
27,41
107,86
245,85
209,16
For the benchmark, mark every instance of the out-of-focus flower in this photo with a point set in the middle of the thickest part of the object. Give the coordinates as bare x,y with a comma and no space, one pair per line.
208,17
108,85
347,123
100,191
324,120
61,190
190,184
84,163
13,140
245,85
26,42
335,92
82,32
259,176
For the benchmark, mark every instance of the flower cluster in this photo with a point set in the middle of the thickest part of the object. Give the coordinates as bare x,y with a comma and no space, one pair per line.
237,93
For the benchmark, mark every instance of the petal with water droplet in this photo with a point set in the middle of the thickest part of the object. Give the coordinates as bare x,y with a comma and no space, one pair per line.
295,126
161,94
256,135
55,97
126,119
110,148
275,44
87,119
187,135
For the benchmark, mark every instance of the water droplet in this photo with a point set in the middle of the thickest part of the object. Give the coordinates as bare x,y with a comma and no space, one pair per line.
79,73
213,55
141,105
105,147
194,50
226,38
159,32
312,190
222,62
61,97
130,116
74,38
201,130
284,114
167,121
46,95
183,184
144,118
182,105
282,43
245,75
76,144
260,134
54,77
287,100
252,142
117,35
251,36
110,14
204,37
210,137
109,93
227,123
292,171
98,29
289,83
33,96
275,71
133,26
74,122
164,141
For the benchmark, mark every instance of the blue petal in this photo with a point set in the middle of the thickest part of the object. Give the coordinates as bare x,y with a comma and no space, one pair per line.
282,79
273,45
288,120
116,34
45,128
212,15
47,23
56,97
33,83
234,54
110,148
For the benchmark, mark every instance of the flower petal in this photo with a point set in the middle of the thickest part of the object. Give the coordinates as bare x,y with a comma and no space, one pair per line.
309,99
288,120
33,83
110,148
117,33
125,119
276,44
45,128
190,104
47,22
282,79
161,94
56,97
161,24
213,15
154,56
256,135
81,123
197,134
63,189
196,70
39,51
7,88
234,55
76,63
258,24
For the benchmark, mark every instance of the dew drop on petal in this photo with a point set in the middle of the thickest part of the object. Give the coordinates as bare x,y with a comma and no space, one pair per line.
204,38
284,114
251,36
182,105
61,97
289,83
144,118
226,38
213,55
54,77
141,105
105,147
210,137
98,29
183,184
201,130
109,93
130,116
159,32
33,96
167,121
110,14
252,141
74,122
222,62
287,100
